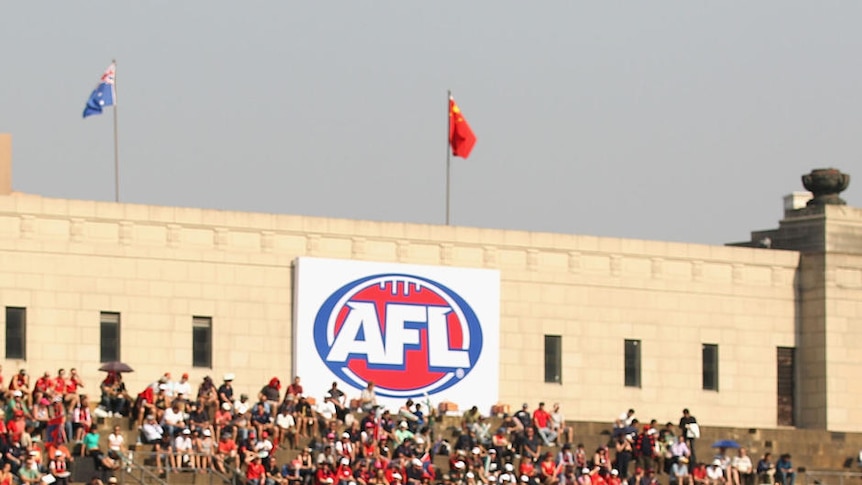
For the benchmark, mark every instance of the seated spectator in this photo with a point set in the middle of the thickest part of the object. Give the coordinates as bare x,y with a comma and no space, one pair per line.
368,398
679,474
152,433
226,453
285,429
714,473
205,449
272,390
183,449
58,467
255,472
766,469
173,419
91,441
741,468
785,474
29,473
82,420
261,419
114,394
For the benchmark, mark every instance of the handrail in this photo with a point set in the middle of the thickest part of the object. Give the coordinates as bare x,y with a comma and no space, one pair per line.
828,477
229,478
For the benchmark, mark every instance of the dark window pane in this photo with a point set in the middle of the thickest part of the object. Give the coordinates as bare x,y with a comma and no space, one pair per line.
710,367
109,337
16,333
553,358
633,363
786,385
202,342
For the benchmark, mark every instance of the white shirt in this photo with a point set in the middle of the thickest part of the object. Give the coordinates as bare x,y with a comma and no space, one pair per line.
326,409
240,407
171,417
183,443
285,421
115,441
184,388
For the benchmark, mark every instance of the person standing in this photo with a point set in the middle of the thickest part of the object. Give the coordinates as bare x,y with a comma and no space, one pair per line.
689,428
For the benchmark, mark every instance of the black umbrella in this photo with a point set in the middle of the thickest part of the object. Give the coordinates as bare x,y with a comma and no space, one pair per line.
116,366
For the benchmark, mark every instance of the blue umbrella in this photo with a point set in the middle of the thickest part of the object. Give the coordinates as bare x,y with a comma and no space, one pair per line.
725,444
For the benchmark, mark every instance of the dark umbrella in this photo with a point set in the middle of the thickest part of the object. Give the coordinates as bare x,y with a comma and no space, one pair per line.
725,444
116,366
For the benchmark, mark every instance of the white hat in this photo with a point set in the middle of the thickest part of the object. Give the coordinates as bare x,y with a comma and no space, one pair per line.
163,387
226,406
470,475
345,461
525,478
187,431
207,432
492,478
509,467
476,450
459,465
263,454
345,435
228,377
505,477
17,393
34,453
492,466
615,472
716,462
420,440
396,475
416,462
403,424
585,470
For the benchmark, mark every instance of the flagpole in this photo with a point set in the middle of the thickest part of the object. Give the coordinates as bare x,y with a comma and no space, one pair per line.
116,141
448,153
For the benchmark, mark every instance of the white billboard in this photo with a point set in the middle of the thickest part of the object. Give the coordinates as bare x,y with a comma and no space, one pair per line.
422,332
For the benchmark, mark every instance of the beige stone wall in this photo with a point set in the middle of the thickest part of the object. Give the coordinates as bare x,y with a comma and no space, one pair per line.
158,266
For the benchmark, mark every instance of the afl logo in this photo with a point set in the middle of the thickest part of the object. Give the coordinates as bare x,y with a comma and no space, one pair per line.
408,334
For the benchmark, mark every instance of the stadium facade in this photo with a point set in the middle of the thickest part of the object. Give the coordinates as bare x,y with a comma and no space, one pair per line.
743,336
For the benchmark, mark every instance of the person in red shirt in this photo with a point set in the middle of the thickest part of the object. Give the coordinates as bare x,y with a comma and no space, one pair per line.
226,452
324,475
294,389
59,383
72,385
542,422
45,385
255,472
549,471
16,426
344,474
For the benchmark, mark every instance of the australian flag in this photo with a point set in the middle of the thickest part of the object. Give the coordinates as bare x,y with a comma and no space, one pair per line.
104,95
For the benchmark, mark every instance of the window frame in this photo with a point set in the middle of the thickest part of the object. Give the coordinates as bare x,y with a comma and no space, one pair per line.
553,359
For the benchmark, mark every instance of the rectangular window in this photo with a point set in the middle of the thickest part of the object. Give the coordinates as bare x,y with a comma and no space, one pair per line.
553,359
633,363
710,367
786,385
16,333
109,336
202,342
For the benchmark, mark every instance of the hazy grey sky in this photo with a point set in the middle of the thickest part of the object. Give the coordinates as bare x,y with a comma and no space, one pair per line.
685,120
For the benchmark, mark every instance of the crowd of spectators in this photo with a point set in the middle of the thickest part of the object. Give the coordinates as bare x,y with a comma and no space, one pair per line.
343,441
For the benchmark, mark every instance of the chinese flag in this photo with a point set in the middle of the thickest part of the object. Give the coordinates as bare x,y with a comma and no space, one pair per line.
461,137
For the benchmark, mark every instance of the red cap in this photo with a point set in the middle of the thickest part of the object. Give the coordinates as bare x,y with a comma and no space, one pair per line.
186,375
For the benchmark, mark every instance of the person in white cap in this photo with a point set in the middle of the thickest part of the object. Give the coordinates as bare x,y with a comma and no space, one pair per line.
182,451
205,447
403,432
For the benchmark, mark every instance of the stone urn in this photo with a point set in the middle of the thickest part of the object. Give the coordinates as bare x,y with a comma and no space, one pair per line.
825,184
